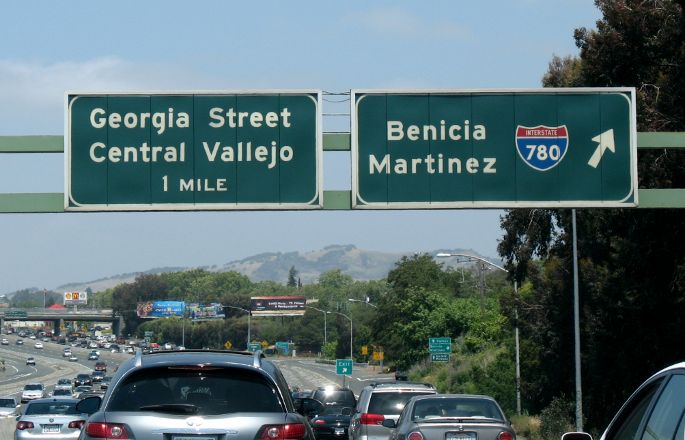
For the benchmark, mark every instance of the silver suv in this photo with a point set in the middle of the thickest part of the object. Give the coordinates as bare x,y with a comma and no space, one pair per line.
198,394
381,401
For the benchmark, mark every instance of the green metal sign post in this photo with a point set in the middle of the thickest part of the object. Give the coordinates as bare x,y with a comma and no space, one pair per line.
494,149
193,151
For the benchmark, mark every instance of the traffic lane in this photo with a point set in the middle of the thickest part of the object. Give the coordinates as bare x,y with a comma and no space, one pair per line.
309,374
7,427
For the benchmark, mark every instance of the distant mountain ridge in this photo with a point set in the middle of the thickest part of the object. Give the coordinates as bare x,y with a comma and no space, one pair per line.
360,264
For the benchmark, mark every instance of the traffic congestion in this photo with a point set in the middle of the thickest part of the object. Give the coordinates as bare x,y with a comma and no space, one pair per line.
116,393
56,397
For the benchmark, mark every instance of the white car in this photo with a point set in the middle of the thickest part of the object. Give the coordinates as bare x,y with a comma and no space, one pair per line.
32,391
8,406
653,411
5,341
38,345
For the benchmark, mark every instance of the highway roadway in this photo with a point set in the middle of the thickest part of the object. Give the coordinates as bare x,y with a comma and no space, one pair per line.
50,366
305,374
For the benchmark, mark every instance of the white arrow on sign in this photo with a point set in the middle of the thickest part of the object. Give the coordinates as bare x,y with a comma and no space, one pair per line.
606,142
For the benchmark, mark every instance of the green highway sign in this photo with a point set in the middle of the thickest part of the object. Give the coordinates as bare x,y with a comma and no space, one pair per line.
16,314
440,345
343,366
254,346
440,357
193,151
494,149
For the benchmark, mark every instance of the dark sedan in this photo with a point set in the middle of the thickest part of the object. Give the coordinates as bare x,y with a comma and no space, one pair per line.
332,423
451,417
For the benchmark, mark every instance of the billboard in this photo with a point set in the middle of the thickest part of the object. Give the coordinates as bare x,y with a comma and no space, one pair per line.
205,312
277,305
74,298
160,309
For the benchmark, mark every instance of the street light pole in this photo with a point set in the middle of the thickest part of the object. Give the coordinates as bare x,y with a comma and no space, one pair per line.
249,314
325,341
481,269
349,319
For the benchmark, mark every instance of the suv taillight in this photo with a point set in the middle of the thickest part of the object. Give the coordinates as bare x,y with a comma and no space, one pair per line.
76,424
283,432
416,435
371,419
24,425
107,430
505,435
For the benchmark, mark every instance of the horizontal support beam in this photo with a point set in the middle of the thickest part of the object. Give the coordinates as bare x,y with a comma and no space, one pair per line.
31,202
660,139
331,142
337,200
334,200
661,198
32,144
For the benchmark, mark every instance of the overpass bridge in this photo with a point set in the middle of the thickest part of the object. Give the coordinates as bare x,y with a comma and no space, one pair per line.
60,316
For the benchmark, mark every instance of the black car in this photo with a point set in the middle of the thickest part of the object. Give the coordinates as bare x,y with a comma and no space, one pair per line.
83,379
332,423
335,396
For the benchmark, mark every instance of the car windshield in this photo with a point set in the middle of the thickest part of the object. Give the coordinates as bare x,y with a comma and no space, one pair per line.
33,387
64,382
7,403
391,403
196,390
61,392
337,410
66,408
338,397
457,407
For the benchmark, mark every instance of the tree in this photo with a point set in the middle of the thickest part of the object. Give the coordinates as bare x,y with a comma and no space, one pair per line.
632,262
292,277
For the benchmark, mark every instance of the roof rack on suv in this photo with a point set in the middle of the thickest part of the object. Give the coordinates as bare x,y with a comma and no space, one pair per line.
256,362
400,383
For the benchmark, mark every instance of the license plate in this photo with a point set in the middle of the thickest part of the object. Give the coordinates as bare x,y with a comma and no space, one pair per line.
460,436
193,437
339,431
50,428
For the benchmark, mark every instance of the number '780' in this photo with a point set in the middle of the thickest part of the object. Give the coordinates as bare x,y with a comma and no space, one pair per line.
543,152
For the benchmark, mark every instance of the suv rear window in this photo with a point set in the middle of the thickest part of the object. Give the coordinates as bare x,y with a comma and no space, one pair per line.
390,403
335,397
195,390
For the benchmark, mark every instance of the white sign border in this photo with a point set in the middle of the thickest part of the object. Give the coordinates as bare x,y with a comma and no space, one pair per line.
358,203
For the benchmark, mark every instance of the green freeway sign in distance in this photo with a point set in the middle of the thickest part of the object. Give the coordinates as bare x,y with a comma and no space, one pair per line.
494,149
440,345
440,357
343,366
193,151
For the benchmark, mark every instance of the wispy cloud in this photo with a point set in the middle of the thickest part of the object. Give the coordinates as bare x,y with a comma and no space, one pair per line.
33,92
402,23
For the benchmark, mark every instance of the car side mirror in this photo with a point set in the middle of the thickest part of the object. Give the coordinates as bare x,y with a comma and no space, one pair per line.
89,405
576,436
389,423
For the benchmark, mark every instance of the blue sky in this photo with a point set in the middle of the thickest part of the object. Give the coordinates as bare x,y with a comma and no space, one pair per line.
48,47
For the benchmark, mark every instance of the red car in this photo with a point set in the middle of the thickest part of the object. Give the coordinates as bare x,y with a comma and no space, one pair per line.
100,366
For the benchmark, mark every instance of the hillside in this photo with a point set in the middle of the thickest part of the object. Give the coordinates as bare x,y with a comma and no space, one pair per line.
358,263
